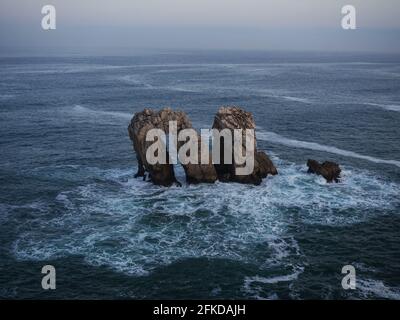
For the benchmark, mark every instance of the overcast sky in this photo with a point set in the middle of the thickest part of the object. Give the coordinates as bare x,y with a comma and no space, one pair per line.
201,24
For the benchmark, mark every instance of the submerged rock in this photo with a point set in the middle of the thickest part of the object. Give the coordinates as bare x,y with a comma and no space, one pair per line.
329,170
235,118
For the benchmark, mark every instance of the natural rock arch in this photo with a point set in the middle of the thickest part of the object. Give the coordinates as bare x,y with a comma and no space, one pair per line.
163,174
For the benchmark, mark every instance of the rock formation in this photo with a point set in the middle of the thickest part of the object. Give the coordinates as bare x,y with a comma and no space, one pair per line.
163,174
235,118
329,170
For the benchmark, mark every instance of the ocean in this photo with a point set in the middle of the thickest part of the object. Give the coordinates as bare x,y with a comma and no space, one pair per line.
69,199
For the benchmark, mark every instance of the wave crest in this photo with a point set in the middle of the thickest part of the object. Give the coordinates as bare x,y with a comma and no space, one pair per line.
276,138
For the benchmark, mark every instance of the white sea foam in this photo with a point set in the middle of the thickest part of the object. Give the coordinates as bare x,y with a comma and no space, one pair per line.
280,94
275,279
272,280
141,81
115,114
276,138
254,285
180,88
372,289
390,107
295,99
133,226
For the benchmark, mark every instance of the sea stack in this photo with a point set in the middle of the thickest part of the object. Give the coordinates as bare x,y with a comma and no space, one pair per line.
227,118
231,118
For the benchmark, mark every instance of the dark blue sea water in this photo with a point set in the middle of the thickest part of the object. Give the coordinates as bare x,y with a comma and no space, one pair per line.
68,197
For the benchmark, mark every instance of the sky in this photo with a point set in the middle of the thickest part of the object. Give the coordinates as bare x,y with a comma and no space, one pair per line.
119,25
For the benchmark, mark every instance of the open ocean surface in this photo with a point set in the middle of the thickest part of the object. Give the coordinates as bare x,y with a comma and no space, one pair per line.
68,196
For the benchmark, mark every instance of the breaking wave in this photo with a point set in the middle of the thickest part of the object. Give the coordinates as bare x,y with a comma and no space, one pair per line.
390,107
276,138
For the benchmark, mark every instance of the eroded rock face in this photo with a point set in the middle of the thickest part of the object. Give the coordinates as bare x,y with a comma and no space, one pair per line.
329,170
163,174
200,173
235,118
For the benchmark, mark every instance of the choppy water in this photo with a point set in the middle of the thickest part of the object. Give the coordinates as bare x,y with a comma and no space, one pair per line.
68,196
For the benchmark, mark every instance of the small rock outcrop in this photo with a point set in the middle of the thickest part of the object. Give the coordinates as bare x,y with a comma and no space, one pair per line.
235,118
329,170
163,174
